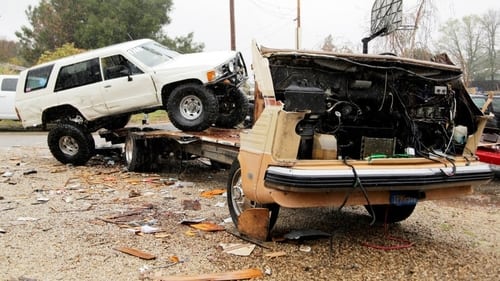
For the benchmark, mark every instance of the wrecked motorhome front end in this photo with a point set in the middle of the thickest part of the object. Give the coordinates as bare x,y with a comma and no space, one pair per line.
343,129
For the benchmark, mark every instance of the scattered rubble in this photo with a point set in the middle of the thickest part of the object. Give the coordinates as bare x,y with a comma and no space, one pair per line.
77,221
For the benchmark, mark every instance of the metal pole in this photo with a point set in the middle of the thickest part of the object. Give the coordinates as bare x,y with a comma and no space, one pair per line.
231,23
298,33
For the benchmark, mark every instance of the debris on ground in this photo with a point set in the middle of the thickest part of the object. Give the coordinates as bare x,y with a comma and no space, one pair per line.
223,276
207,226
254,223
212,193
136,253
193,205
306,234
275,254
237,249
90,213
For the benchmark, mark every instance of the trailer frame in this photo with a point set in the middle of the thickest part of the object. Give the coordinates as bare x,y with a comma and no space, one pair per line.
148,148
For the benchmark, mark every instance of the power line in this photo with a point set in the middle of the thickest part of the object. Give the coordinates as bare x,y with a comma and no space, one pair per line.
273,10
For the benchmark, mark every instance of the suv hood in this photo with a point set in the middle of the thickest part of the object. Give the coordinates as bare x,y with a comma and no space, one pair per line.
205,60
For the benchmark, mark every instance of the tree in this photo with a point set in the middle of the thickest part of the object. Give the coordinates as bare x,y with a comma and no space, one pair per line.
183,44
411,40
91,24
112,21
462,40
53,24
65,50
491,23
8,50
328,46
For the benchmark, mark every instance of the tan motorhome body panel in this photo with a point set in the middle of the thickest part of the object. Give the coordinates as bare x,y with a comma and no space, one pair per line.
258,152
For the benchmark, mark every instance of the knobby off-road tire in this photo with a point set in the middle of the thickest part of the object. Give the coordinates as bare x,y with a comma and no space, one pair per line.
233,109
237,202
390,213
71,144
192,107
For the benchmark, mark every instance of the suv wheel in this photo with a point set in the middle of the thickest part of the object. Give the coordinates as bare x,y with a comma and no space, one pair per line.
192,107
71,144
233,109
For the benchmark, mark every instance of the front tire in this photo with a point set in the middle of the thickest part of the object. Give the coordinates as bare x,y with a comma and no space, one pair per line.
71,144
238,203
390,213
192,107
233,108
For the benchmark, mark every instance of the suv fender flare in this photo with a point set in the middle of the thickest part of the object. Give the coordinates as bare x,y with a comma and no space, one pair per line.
61,112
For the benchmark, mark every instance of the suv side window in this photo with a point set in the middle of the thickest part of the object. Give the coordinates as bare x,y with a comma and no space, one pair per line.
118,66
78,74
9,84
37,79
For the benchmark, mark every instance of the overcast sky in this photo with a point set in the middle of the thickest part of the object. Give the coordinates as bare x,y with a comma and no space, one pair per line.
271,22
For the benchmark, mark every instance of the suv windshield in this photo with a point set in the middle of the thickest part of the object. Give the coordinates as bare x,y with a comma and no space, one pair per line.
152,53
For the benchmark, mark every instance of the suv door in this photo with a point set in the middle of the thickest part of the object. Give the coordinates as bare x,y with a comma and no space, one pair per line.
79,84
8,98
126,87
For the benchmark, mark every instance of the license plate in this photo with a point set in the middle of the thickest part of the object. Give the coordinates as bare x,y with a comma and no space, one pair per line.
402,199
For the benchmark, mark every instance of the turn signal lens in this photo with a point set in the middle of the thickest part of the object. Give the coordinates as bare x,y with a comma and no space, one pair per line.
211,75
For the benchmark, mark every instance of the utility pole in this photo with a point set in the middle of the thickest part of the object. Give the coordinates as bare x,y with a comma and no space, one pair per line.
231,24
298,33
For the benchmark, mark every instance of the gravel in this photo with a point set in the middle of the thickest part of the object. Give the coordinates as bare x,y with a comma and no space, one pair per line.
60,222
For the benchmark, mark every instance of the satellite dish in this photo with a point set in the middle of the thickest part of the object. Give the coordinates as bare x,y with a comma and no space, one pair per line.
387,16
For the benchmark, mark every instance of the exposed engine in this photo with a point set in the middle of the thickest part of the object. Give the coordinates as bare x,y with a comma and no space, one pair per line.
375,108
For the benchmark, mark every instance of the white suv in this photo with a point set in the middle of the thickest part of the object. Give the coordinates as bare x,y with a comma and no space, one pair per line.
102,88
7,97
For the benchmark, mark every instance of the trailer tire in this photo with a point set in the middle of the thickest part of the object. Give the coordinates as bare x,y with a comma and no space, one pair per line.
135,154
71,144
390,213
233,108
192,107
237,202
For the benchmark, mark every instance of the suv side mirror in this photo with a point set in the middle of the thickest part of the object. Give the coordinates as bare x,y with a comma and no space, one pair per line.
126,72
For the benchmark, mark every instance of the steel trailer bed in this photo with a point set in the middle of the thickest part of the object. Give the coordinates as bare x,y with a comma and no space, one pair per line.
146,148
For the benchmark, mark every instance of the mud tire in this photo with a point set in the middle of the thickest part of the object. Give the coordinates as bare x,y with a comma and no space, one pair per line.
192,107
233,109
71,144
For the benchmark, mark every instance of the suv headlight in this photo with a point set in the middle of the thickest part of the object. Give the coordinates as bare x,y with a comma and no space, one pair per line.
230,66
214,74
233,69
220,71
